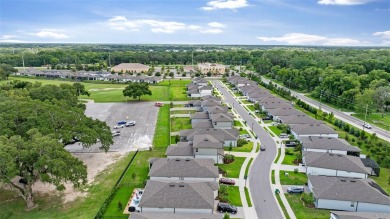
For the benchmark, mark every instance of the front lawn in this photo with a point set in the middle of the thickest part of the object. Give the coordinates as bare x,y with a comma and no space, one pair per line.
251,107
178,124
237,123
292,178
177,93
246,102
233,169
243,131
275,130
233,196
383,179
162,134
245,148
289,158
301,211
183,112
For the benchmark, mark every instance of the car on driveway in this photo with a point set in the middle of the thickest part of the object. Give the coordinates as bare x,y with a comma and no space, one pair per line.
119,126
283,135
130,123
243,136
366,125
227,181
226,207
267,118
295,189
262,147
115,133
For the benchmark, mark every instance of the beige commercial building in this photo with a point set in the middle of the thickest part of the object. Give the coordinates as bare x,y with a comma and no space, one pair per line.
131,67
214,68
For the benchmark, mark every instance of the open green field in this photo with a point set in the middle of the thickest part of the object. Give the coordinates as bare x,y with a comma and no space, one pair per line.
383,179
233,195
245,148
178,124
301,211
174,82
162,133
376,119
233,169
292,178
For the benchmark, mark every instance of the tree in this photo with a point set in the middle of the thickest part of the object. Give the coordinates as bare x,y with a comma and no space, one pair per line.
6,70
363,101
136,90
38,157
381,98
80,89
171,74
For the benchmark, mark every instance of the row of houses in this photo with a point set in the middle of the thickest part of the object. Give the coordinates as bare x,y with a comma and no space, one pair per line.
199,87
87,76
185,183
337,172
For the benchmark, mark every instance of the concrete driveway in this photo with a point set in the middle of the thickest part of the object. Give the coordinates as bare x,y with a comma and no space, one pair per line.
131,138
240,213
285,187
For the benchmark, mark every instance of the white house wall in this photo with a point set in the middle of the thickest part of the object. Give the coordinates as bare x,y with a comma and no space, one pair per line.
331,172
193,211
181,157
222,125
232,142
336,205
325,151
191,179
369,207
162,210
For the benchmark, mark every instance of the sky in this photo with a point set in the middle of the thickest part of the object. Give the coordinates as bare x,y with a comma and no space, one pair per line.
239,22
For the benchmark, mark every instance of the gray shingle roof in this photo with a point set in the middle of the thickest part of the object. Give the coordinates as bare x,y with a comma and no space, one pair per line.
202,124
221,117
181,149
347,189
200,115
275,104
210,97
220,134
360,215
195,102
174,167
327,143
159,215
210,103
334,162
217,109
308,129
299,119
285,111
206,141
192,195
206,88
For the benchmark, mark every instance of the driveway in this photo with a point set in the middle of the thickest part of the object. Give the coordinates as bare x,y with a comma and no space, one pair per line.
240,213
285,187
131,138
259,175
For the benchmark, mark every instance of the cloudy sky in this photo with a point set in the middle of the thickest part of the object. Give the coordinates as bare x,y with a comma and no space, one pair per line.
255,22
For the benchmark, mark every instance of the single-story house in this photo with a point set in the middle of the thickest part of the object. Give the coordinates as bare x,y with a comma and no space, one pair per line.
209,103
268,105
298,119
159,215
222,121
286,111
217,109
328,145
306,130
347,194
207,147
195,103
227,136
172,169
210,97
358,215
193,93
205,90
179,197
328,164
200,81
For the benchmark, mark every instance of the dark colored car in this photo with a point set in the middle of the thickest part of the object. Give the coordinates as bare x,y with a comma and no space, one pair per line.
267,118
227,181
122,123
262,148
295,189
226,207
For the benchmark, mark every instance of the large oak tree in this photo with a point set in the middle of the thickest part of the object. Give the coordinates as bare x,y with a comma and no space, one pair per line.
136,90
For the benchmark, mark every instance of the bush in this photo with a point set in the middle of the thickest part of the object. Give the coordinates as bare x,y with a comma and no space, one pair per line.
308,199
241,142
289,151
228,158
295,170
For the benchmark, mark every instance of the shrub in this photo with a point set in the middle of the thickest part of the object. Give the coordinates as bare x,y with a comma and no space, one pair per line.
228,158
241,142
308,199
295,170
289,151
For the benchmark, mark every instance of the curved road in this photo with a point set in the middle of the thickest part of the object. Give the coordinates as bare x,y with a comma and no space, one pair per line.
259,176
381,133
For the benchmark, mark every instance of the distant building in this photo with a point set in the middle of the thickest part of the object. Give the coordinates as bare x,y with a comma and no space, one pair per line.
214,68
131,67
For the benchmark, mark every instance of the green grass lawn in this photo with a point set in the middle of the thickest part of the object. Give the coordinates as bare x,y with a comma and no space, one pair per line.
234,196
245,148
248,198
289,159
301,211
282,206
292,178
174,82
275,130
383,179
251,107
277,156
178,124
247,167
162,132
177,93
237,123
246,102
243,132
376,119
233,169
237,94
183,112
173,140
273,176
257,147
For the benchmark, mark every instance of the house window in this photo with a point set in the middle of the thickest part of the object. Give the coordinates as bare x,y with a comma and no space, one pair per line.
181,178
352,204
196,150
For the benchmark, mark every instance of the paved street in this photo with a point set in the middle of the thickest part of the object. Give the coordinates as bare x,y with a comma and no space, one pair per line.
259,176
384,134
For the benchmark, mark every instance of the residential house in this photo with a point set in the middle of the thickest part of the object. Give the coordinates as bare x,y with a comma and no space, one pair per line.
209,103
195,103
199,116
207,147
179,197
210,97
131,67
159,215
358,215
176,169
298,119
203,124
328,164
372,166
217,109
306,130
328,145
183,150
194,93
227,136
205,90
347,194
285,111
200,81
222,121
268,105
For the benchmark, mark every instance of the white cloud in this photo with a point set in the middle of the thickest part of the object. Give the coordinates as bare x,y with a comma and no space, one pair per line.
6,37
157,26
344,2
225,4
50,34
307,39
384,34
216,24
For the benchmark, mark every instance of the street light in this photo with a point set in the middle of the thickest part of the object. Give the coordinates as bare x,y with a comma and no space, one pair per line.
252,126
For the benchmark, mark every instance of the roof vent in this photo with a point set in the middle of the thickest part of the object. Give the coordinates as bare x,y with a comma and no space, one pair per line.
182,186
343,180
187,159
171,185
331,154
353,181
177,159
339,155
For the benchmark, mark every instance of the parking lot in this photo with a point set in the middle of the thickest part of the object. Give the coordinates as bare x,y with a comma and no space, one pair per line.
131,138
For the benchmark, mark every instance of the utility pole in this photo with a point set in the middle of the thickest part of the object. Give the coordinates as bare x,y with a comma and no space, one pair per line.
23,58
320,99
365,116
109,59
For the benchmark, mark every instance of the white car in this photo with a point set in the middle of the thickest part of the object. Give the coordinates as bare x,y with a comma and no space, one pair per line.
366,125
130,123
116,133
119,126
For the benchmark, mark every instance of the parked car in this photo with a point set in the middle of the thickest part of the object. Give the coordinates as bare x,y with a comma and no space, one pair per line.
262,147
245,136
227,181
130,123
291,144
115,133
283,135
267,118
295,189
226,207
159,104
119,126
366,125
121,123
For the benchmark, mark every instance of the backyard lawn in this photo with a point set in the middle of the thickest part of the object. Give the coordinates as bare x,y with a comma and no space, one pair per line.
178,124
275,130
301,211
245,148
383,179
177,93
234,196
289,159
292,178
233,169
183,112
174,82
162,133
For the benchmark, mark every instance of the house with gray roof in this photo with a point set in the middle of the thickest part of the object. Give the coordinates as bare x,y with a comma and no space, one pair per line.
195,170
306,130
193,93
199,116
205,90
179,197
217,109
210,97
348,194
267,105
328,145
202,124
358,215
222,120
227,136
205,104
298,119
285,111
328,164
159,215
182,150
207,147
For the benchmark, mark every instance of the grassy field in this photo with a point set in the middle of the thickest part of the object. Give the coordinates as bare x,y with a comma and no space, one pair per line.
234,196
174,82
245,148
301,211
248,198
275,130
162,133
178,124
383,179
183,112
376,119
292,178
178,93
233,169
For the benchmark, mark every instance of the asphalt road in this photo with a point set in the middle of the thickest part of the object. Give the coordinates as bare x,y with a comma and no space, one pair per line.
381,133
131,138
259,176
